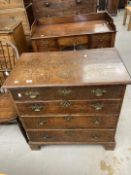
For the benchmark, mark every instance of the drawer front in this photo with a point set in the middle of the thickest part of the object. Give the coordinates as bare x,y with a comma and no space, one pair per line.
101,40
58,93
70,107
17,15
73,41
46,44
72,136
70,122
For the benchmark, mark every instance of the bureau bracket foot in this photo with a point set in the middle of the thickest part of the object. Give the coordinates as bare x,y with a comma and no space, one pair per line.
110,146
34,147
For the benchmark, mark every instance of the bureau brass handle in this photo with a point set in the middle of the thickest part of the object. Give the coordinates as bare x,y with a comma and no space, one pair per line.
65,92
47,4
44,122
95,137
78,1
70,133
36,107
65,104
96,121
68,118
97,106
98,92
32,94
46,136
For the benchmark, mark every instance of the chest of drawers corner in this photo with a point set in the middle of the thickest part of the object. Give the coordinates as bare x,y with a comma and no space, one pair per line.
69,97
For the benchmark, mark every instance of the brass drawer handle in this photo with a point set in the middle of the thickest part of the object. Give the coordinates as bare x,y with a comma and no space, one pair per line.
65,104
98,92
78,1
46,136
68,118
47,4
65,92
32,94
96,121
36,107
97,106
95,137
70,133
44,122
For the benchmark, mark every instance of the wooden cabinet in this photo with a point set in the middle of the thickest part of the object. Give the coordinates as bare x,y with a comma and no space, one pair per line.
69,97
78,32
18,10
12,30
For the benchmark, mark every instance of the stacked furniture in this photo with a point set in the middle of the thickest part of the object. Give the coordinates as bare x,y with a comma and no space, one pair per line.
69,97
18,10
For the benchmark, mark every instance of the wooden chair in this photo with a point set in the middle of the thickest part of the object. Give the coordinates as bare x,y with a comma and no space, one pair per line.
8,57
127,12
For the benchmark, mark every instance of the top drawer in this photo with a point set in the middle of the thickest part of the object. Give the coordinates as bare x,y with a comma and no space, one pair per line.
8,4
70,93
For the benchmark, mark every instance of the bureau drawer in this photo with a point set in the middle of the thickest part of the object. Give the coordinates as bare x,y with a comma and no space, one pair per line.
46,44
70,107
73,40
70,93
72,136
101,40
70,122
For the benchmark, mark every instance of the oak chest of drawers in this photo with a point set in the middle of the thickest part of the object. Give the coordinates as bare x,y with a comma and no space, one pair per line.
87,31
69,97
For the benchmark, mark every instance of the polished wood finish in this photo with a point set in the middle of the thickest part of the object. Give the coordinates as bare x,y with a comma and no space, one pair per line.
69,97
78,32
57,8
112,6
24,15
13,31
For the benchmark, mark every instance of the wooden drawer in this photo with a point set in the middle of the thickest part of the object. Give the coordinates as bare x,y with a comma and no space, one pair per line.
72,136
18,14
73,41
46,44
8,4
101,40
58,93
70,122
70,107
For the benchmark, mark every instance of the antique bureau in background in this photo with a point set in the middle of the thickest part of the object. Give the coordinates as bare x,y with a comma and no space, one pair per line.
67,25
87,31
18,10
13,31
69,97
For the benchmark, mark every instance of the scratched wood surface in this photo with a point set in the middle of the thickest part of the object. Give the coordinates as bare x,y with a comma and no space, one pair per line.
88,67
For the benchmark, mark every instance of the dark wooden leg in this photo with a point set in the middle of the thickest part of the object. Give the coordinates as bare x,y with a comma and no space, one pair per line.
125,16
110,146
34,147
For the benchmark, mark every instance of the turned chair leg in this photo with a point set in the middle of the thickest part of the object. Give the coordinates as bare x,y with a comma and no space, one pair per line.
129,26
125,17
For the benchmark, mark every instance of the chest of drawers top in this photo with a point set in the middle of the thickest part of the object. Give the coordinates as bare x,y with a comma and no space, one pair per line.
73,68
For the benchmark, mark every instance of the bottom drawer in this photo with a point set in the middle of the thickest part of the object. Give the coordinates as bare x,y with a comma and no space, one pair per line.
72,136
